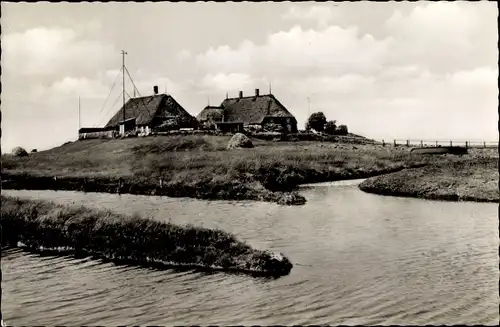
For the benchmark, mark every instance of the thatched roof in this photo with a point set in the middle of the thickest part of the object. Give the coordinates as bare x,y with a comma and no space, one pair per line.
210,112
144,109
253,109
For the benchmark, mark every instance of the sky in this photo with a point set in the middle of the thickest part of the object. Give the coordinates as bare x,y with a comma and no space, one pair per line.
388,70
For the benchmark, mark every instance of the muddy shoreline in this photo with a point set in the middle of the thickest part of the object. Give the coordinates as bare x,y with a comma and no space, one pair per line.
468,180
282,190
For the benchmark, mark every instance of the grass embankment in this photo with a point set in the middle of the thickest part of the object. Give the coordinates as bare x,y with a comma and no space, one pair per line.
460,179
135,240
200,167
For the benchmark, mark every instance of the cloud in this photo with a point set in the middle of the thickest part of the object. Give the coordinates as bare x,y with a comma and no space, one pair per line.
184,55
226,82
300,52
52,51
320,14
444,36
74,87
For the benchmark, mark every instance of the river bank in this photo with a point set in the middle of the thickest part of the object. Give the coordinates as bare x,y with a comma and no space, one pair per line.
42,226
458,180
200,167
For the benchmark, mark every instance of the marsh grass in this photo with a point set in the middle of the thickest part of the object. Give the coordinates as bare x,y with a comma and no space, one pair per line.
200,166
457,180
112,236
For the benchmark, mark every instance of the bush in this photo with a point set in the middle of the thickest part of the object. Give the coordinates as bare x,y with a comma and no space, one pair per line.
330,127
342,130
317,121
19,152
271,127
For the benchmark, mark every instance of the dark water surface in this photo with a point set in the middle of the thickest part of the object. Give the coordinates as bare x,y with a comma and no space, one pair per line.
359,259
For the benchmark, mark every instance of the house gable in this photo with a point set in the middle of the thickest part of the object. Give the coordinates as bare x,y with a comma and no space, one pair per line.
252,110
147,110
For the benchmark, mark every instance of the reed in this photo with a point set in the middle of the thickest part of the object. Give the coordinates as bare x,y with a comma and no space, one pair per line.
107,235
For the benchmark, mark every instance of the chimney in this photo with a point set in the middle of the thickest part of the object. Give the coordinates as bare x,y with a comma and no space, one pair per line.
241,94
256,92
155,89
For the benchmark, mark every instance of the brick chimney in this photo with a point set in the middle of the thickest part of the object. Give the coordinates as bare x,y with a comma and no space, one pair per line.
256,92
155,90
241,94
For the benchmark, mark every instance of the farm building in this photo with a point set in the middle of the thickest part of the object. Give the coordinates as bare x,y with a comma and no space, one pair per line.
143,115
258,112
154,112
95,133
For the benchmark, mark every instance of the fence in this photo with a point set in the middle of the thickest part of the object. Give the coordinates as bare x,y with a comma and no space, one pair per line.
439,143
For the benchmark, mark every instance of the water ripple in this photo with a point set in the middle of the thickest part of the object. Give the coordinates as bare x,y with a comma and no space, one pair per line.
363,259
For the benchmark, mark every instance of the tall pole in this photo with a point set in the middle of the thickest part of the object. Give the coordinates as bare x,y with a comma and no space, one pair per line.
79,114
309,108
123,87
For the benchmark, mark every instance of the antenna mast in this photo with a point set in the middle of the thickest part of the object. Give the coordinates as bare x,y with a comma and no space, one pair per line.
79,113
123,87
79,119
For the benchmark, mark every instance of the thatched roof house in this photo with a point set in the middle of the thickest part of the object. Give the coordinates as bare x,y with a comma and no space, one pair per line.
211,113
151,111
259,111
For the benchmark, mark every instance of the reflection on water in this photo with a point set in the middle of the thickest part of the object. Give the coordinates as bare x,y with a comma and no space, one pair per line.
359,259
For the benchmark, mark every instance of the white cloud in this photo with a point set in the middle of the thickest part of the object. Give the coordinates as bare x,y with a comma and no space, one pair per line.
74,87
300,52
52,51
444,36
184,55
321,14
226,82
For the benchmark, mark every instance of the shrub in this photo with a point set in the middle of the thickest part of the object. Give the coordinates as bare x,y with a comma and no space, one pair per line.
342,130
317,121
330,127
272,127
19,152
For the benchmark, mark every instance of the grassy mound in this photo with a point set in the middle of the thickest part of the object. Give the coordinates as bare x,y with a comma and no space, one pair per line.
103,234
460,180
